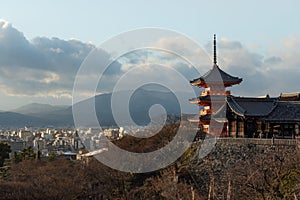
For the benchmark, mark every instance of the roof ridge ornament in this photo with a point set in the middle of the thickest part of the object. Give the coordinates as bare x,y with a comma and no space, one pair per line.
215,50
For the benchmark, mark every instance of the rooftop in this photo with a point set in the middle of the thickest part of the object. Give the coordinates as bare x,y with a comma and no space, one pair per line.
251,106
288,111
216,76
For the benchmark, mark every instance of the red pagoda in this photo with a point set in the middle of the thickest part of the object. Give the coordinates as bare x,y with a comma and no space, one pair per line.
212,99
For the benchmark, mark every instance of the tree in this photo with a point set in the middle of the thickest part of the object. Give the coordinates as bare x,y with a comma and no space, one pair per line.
26,154
4,152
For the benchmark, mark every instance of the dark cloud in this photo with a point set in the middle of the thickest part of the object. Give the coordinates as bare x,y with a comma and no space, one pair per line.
43,66
16,50
63,55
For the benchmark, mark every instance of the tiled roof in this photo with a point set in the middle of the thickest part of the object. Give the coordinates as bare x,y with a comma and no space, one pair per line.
248,106
285,111
216,75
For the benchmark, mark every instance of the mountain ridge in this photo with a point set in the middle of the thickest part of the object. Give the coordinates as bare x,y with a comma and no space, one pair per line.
41,115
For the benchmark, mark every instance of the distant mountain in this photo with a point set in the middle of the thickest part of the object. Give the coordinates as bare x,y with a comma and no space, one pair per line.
139,105
40,115
16,120
35,108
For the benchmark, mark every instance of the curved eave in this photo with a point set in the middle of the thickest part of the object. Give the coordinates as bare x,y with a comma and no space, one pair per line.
203,84
194,101
229,84
216,76
235,108
200,103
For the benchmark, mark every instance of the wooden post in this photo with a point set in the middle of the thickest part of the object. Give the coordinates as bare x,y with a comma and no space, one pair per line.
229,128
237,127
271,129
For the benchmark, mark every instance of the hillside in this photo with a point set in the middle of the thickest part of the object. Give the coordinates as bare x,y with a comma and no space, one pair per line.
230,171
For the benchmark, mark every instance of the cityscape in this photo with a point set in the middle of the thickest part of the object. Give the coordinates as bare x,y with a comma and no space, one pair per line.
168,100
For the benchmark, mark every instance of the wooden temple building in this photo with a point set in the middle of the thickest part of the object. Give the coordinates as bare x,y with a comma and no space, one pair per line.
263,117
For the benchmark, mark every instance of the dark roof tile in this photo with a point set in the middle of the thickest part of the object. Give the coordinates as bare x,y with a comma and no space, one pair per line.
248,106
216,75
285,111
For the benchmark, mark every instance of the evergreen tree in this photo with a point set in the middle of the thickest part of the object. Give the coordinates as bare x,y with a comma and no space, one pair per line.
4,152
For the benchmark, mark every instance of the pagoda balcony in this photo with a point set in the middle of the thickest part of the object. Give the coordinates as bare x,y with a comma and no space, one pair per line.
215,92
206,100
205,112
219,92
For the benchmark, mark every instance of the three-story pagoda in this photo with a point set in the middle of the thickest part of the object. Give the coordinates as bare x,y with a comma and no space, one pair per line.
212,99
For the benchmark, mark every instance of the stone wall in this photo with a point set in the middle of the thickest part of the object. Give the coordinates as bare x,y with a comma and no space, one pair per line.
238,166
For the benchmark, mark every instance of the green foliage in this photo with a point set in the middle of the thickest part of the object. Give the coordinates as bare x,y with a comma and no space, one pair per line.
4,152
26,154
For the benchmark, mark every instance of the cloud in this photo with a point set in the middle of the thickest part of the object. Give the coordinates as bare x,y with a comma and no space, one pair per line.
271,72
147,57
192,52
46,67
225,43
43,66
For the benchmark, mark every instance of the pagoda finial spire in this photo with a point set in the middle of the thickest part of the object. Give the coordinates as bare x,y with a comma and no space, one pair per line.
215,50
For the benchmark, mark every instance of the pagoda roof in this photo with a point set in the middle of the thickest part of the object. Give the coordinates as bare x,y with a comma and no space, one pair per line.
216,76
206,117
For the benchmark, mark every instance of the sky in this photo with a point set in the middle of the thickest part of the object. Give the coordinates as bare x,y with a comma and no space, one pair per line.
43,43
